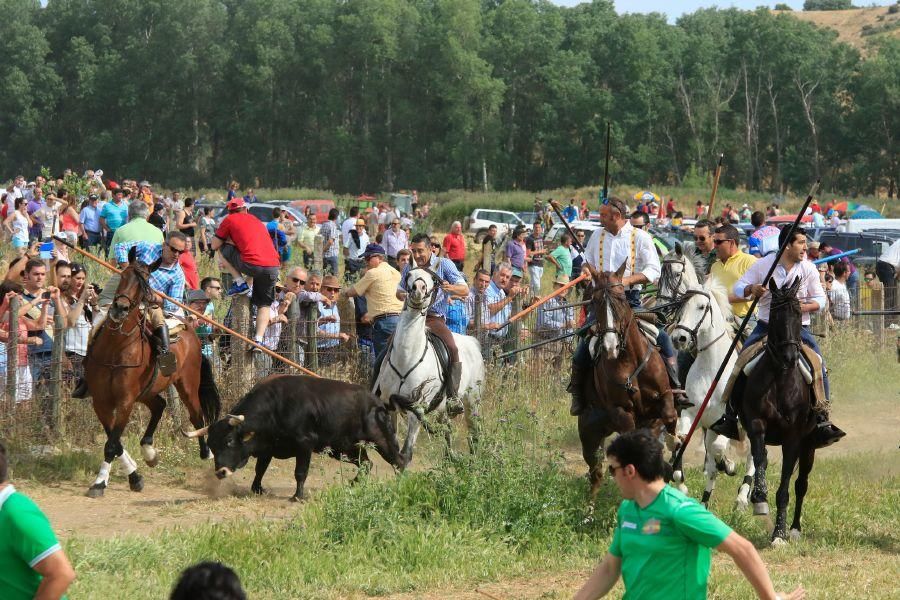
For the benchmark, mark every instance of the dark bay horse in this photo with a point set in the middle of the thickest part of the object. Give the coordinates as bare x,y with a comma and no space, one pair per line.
120,369
774,406
629,387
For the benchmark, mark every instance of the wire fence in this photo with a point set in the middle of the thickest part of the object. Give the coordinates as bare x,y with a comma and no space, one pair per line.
36,401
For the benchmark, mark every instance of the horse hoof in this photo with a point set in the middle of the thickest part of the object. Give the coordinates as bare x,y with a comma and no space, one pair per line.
794,535
760,508
726,466
151,456
741,504
258,491
295,498
136,482
683,488
96,490
778,542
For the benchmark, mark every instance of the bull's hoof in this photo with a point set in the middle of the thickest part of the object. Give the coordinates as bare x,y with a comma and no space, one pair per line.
760,508
136,482
206,455
295,498
96,490
259,491
778,542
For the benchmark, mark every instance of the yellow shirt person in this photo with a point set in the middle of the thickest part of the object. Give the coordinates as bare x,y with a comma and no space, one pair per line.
728,274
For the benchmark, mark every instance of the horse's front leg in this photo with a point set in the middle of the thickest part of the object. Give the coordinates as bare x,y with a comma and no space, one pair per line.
783,495
743,497
807,458
758,496
412,432
710,439
157,405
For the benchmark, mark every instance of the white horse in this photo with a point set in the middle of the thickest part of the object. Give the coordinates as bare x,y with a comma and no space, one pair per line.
702,328
679,271
411,367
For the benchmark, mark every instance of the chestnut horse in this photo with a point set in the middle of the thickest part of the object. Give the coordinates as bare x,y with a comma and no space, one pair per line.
120,369
629,386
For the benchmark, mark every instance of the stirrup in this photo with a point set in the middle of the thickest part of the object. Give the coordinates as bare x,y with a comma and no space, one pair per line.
167,362
454,407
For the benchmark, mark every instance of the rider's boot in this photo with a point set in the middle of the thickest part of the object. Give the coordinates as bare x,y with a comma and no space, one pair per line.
454,404
574,388
826,432
164,357
727,424
81,390
681,401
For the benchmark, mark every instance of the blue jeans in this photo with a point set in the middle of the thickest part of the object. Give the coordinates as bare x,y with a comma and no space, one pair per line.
762,328
93,239
381,332
853,285
331,265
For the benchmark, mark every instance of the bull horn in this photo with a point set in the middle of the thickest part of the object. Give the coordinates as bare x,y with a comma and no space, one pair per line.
235,420
195,434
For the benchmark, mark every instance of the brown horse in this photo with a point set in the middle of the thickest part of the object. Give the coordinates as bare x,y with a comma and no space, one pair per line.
120,369
629,387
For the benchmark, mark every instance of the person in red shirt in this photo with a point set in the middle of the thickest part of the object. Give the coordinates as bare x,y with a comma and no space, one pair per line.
189,265
245,248
455,245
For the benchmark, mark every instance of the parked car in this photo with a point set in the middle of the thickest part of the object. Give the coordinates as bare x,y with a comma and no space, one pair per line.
551,238
481,218
528,217
871,244
319,207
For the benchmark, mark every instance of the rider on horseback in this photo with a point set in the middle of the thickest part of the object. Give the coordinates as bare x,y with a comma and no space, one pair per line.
608,248
793,264
167,277
451,283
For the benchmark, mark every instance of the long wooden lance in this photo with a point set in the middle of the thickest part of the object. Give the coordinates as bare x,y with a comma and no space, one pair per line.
712,197
199,315
545,299
555,206
676,463
604,198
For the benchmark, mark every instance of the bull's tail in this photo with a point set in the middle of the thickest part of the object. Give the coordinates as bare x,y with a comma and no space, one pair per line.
210,402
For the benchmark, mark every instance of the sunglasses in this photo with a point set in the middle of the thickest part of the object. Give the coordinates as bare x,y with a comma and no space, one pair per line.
717,242
298,280
612,469
176,251
331,289
701,238
218,287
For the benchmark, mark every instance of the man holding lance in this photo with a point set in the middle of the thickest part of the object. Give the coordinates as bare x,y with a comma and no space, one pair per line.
607,249
793,263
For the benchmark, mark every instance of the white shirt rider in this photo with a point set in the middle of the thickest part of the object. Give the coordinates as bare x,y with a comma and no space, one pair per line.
617,248
810,291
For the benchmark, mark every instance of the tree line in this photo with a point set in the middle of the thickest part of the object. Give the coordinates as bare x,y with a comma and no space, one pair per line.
369,95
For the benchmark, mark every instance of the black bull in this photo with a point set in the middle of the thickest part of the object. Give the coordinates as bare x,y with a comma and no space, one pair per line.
293,416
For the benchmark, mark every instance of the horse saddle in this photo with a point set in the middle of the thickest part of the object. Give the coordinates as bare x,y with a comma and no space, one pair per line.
810,365
173,324
443,356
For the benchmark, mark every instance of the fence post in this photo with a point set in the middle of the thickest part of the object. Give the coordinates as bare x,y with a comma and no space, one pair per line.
318,253
12,352
478,322
878,305
56,359
240,359
311,311
515,330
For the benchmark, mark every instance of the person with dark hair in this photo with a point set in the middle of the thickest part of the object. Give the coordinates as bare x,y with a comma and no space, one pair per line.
793,264
489,244
731,265
184,219
451,283
534,243
638,220
34,563
838,295
662,540
826,249
208,581
331,241
348,225
619,244
764,239
703,240
561,257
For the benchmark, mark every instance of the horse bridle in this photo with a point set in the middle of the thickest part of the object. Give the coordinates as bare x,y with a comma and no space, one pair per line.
772,347
130,304
696,329
606,303
436,281
667,277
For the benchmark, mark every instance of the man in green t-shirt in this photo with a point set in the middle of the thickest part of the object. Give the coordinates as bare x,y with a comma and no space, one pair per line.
661,545
33,563
561,257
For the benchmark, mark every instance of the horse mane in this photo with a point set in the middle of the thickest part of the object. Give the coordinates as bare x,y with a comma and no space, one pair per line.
720,293
695,261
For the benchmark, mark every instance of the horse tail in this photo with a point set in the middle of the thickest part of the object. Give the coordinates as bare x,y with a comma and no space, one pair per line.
210,402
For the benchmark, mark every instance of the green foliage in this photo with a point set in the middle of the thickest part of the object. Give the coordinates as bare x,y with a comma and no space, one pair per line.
827,4
783,6
379,95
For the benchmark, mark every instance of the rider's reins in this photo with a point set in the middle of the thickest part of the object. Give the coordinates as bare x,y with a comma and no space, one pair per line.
115,326
628,384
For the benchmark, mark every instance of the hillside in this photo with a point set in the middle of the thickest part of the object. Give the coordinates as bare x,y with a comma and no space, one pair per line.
855,27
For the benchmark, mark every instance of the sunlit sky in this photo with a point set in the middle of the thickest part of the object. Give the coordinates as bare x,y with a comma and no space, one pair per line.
675,8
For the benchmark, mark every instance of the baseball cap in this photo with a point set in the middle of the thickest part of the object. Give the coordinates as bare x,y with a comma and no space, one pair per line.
361,222
373,250
195,296
235,204
561,279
